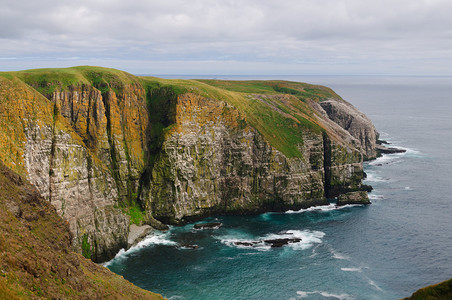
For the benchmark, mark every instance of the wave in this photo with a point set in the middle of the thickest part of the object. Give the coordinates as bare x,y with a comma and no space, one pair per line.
351,269
306,240
155,238
371,177
337,255
372,283
322,208
302,294
373,196
392,158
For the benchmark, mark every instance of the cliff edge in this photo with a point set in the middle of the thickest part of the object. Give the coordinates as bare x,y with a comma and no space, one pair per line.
440,291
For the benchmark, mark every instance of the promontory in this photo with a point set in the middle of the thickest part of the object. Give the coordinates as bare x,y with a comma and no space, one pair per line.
108,149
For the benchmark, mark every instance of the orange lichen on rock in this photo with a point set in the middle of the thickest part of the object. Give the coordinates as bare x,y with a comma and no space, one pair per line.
19,106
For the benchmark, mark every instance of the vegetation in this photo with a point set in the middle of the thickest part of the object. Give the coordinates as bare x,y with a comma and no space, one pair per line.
278,119
270,107
136,214
86,247
37,261
440,291
299,89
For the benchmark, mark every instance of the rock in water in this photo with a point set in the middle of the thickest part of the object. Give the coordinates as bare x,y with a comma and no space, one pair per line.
188,246
389,150
212,225
137,234
247,244
276,243
359,197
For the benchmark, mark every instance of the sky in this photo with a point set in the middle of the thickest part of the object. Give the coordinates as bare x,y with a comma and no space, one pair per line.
246,37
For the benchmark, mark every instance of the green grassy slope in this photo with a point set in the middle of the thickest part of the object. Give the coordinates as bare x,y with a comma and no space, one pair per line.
36,260
440,291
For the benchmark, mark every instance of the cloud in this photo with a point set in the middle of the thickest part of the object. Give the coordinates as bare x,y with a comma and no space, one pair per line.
301,32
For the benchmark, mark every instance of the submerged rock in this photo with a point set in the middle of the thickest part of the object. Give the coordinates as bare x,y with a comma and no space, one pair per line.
212,225
188,246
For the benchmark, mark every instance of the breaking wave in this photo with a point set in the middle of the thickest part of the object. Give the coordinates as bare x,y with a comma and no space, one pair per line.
302,294
155,238
307,239
322,208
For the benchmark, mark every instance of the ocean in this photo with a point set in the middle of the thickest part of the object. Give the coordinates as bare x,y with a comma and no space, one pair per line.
387,250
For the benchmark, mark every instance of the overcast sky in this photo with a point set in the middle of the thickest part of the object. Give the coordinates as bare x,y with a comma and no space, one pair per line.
286,37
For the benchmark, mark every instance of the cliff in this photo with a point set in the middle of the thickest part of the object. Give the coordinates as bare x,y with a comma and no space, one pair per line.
107,148
440,291
36,260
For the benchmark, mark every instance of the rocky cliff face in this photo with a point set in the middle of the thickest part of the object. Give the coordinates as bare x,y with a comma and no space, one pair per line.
37,261
354,122
101,141
212,161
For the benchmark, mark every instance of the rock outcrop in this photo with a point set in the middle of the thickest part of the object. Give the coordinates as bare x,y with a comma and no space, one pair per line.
355,122
359,197
107,148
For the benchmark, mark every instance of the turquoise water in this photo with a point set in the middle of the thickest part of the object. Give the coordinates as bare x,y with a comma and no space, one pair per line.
387,250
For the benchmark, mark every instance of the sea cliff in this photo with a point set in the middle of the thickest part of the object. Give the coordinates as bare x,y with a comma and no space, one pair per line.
108,149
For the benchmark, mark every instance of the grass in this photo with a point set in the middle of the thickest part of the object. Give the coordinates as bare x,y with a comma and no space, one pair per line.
86,247
440,291
136,214
281,120
37,261
46,81
299,89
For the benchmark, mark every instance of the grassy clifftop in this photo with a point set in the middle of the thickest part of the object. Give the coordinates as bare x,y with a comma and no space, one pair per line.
277,109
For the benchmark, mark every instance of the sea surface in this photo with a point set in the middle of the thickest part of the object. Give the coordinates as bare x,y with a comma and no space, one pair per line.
387,250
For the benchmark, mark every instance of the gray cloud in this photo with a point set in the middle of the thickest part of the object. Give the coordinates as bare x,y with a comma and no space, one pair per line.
387,36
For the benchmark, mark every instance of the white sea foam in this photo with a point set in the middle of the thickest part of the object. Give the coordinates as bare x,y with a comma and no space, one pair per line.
322,208
372,177
155,238
337,255
314,252
302,294
351,269
308,239
373,196
384,159
372,283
